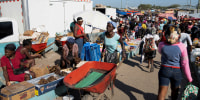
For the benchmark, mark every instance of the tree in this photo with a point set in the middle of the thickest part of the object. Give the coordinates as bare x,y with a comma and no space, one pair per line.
174,6
144,6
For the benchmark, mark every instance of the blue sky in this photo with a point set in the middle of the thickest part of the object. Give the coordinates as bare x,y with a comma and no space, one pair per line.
135,3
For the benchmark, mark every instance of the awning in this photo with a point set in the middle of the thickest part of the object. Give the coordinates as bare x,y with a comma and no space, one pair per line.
121,12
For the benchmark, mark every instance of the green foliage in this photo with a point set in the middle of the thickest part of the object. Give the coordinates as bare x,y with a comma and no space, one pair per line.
174,6
145,6
149,6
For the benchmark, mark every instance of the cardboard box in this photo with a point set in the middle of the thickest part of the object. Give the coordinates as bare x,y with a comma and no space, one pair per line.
70,34
41,89
21,91
28,33
39,70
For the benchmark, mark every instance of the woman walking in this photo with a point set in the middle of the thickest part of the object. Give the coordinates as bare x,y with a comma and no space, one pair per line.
111,40
173,58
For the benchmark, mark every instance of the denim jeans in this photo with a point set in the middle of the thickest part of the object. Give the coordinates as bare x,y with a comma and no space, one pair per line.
170,75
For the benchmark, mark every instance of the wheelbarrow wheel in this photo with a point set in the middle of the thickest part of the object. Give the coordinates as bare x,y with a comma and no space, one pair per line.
87,97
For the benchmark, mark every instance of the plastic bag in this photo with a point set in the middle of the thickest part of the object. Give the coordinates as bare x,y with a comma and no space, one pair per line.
91,52
190,92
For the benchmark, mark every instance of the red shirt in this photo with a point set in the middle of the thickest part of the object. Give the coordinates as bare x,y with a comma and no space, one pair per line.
16,64
80,30
19,51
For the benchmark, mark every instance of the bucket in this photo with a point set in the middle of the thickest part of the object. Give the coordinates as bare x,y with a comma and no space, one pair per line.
68,97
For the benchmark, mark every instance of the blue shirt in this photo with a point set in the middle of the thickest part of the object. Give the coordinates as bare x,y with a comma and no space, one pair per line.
111,43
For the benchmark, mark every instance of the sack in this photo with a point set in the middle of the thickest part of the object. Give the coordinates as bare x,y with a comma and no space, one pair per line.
149,45
190,92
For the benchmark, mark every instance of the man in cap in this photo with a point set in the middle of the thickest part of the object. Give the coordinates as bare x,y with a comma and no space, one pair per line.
70,54
79,34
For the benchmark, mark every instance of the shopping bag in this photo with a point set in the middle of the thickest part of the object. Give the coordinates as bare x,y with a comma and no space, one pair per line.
91,52
95,54
190,92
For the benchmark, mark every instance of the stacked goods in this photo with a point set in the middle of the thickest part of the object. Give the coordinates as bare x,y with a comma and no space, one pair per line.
43,38
48,80
28,33
57,70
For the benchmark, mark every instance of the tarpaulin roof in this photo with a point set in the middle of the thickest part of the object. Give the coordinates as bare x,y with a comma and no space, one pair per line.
167,15
139,14
121,12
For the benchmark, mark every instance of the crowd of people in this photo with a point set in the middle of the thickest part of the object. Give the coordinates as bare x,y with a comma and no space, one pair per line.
172,38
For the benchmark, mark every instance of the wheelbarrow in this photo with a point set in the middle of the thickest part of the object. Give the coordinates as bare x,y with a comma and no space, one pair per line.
40,48
80,79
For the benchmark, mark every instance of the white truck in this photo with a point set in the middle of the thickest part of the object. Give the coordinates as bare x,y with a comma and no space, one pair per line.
18,16
110,12
55,15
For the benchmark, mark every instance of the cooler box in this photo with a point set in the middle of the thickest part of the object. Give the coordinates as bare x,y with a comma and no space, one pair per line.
41,89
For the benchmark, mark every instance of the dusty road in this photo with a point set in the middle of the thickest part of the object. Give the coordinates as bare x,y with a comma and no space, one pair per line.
134,81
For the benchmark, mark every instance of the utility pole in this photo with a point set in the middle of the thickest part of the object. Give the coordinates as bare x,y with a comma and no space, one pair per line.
198,6
190,4
121,4
126,4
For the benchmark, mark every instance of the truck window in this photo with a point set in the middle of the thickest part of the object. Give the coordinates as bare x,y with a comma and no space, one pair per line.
6,29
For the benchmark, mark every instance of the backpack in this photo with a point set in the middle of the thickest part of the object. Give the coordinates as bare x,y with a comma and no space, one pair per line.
149,44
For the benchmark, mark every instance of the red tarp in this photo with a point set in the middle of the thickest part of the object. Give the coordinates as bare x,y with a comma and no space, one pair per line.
167,15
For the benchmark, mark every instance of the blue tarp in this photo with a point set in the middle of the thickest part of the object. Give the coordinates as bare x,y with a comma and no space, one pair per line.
121,12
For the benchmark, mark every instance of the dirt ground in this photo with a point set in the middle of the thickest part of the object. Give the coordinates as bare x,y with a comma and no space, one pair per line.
134,81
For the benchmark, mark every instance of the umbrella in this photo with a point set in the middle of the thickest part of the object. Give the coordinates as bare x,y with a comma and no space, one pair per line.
94,18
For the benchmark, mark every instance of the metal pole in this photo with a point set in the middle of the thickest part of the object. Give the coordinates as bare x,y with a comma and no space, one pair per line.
198,7
121,4
26,15
126,4
190,4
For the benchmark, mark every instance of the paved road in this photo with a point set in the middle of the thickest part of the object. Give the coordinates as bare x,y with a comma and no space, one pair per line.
134,81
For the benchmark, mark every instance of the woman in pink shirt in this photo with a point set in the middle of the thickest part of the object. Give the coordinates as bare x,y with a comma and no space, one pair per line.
173,58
